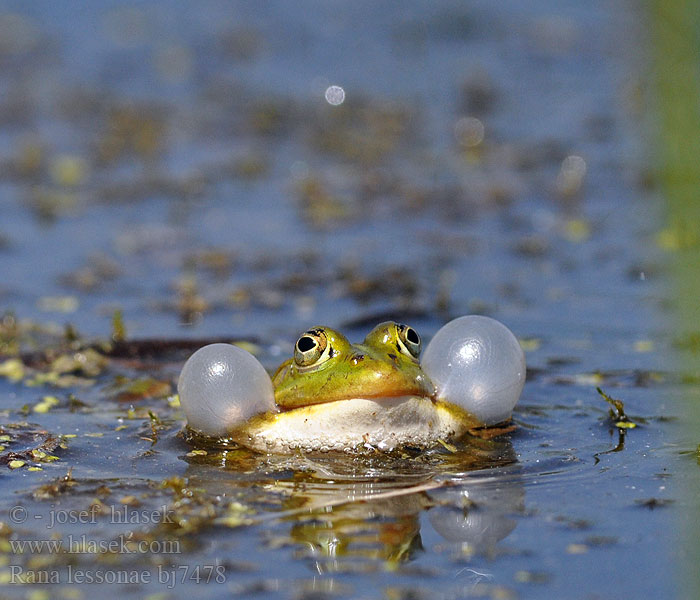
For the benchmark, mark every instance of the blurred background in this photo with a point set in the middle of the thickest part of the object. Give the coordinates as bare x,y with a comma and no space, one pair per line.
239,167
248,170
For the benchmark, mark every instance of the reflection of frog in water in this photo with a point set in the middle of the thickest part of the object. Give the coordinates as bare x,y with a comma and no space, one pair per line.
382,522
346,511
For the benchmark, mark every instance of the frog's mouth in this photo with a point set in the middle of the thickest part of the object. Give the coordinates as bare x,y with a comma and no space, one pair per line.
378,380
386,390
379,398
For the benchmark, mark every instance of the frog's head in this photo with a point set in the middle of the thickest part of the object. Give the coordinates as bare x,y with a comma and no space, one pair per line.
326,367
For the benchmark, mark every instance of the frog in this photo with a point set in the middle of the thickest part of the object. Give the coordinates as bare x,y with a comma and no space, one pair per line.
381,394
336,395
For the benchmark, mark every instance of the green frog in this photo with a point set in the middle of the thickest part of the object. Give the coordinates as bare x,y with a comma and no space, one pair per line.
334,395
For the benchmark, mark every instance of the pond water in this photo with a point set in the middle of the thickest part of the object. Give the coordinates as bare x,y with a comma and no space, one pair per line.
181,164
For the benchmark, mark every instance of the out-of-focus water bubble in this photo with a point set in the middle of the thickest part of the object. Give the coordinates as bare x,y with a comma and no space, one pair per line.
335,95
469,131
571,175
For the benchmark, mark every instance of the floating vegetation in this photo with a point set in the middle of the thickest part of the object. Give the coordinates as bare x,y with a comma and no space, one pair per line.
13,369
9,334
126,389
695,454
321,208
156,425
131,130
24,443
617,412
55,488
79,368
118,327
620,420
449,447
653,503
622,377
363,131
46,404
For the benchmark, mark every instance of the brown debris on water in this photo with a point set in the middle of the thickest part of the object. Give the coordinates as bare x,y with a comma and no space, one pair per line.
55,488
397,283
131,129
321,208
488,433
130,390
28,443
363,131
653,503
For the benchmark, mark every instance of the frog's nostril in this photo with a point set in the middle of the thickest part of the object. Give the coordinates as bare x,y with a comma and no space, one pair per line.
357,358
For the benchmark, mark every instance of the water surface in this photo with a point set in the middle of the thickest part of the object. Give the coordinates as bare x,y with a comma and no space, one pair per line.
182,165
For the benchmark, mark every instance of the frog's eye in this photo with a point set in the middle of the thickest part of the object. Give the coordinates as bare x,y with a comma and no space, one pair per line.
409,341
310,348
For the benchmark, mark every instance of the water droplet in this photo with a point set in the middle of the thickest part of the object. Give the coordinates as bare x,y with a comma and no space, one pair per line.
335,95
469,131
